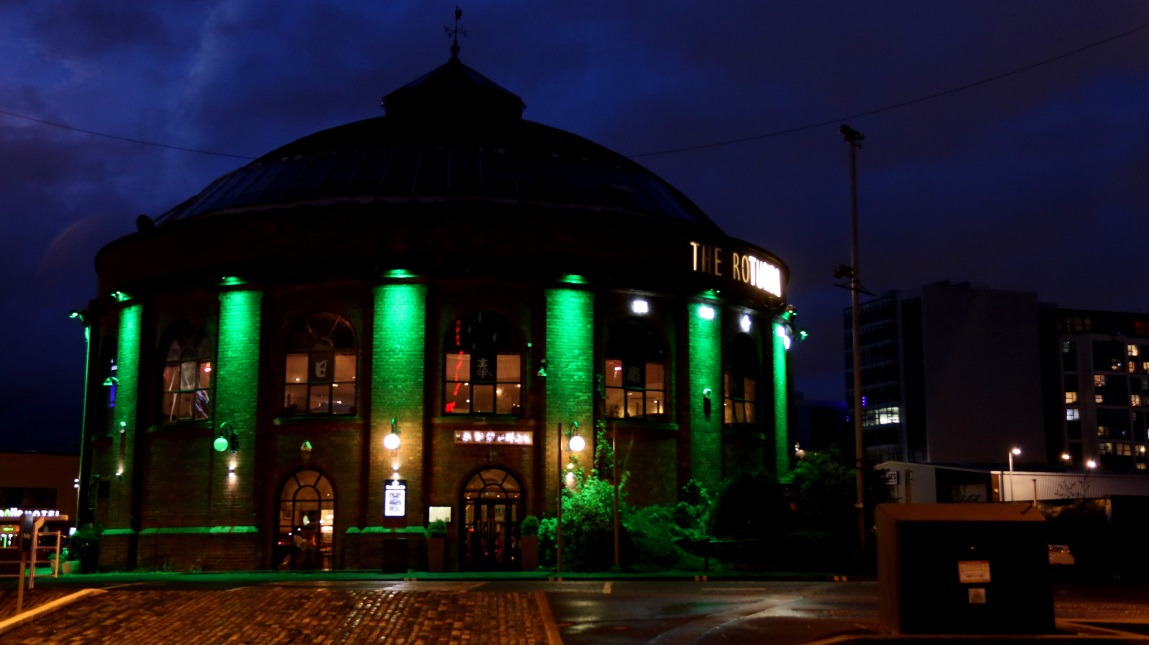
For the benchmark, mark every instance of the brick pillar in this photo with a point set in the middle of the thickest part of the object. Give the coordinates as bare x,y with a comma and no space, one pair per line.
119,533
781,402
705,369
397,392
236,397
570,381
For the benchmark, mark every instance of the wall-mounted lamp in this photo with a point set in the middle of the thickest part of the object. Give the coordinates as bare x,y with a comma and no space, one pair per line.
706,312
305,452
543,368
639,306
227,439
706,394
391,441
745,323
576,442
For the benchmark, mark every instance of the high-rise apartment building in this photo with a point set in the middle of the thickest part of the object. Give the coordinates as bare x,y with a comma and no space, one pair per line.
951,373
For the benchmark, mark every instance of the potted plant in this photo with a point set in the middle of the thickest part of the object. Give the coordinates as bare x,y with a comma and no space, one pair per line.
69,561
529,543
436,546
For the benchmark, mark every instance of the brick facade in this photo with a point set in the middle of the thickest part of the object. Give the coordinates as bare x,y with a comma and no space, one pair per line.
523,224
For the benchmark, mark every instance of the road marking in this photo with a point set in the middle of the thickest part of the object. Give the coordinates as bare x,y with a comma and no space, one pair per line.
733,589
606,587
548,618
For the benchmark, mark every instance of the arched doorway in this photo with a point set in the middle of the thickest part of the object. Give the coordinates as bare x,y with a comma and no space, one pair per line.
492,509
306,522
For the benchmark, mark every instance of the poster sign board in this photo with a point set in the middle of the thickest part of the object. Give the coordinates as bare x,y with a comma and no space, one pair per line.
973,572
395,498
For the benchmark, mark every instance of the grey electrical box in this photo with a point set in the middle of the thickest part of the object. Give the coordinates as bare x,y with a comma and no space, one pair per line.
963,569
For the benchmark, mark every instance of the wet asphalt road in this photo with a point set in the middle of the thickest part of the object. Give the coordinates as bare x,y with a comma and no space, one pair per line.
520,611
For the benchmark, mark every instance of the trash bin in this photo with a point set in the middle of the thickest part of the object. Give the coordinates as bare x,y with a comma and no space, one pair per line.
963,569
394,555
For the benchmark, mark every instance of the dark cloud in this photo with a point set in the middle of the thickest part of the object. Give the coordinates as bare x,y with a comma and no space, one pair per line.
1034,181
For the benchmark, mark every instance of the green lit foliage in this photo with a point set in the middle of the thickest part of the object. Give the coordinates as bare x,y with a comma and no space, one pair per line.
529,526
652,538
437,529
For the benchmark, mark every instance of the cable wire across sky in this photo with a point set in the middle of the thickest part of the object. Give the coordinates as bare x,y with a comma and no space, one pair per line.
653,153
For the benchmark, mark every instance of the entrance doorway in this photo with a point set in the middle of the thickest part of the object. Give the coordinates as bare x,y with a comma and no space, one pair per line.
306,523
492,509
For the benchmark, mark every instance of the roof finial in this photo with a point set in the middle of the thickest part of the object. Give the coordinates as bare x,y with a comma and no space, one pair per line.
454,33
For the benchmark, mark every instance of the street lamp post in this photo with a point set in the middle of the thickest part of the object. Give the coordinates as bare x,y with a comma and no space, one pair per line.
854,139
559,511
1012,452
576,444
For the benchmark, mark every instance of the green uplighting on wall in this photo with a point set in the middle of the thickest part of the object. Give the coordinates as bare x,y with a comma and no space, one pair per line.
398,358
781,406
573,278
704,336
237,376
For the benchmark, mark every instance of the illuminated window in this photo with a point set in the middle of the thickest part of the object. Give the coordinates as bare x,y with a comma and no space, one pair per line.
1098,380
1135,400
1105,448
1071,397
321,367
1072,414
306,522
1132,350
1102,431
635,372
1124,450
740,381
187,376
881,416
482,366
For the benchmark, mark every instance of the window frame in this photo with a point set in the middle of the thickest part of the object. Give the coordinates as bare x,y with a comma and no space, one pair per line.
316,338
187,364
629,350
490,350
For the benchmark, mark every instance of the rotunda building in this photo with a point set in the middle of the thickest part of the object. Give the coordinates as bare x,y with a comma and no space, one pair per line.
407,318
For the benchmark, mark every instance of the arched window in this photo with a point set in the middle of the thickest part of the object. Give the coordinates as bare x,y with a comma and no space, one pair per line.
740,382
635,372
321,367
482,372
187,376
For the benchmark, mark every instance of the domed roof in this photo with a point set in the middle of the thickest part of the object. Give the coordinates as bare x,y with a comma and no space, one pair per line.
451,134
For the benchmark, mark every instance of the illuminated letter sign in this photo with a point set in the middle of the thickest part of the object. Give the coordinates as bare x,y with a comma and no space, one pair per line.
505,437
395,498
743,267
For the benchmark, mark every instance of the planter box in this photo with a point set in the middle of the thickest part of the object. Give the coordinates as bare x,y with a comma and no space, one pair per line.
529,552
436,554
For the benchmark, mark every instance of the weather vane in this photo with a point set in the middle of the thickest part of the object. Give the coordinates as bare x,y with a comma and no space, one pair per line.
454,33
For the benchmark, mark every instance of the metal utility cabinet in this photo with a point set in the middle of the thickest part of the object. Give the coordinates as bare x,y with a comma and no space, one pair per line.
963,569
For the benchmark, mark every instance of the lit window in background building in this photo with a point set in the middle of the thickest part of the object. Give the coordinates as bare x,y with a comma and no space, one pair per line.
881,416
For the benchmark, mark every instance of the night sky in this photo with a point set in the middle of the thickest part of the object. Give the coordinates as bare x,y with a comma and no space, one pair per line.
1006,143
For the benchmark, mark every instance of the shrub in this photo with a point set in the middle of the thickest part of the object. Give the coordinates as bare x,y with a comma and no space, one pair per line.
529,526
438,528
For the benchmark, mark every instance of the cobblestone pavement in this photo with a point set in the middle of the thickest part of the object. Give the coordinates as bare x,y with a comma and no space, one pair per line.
271,614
